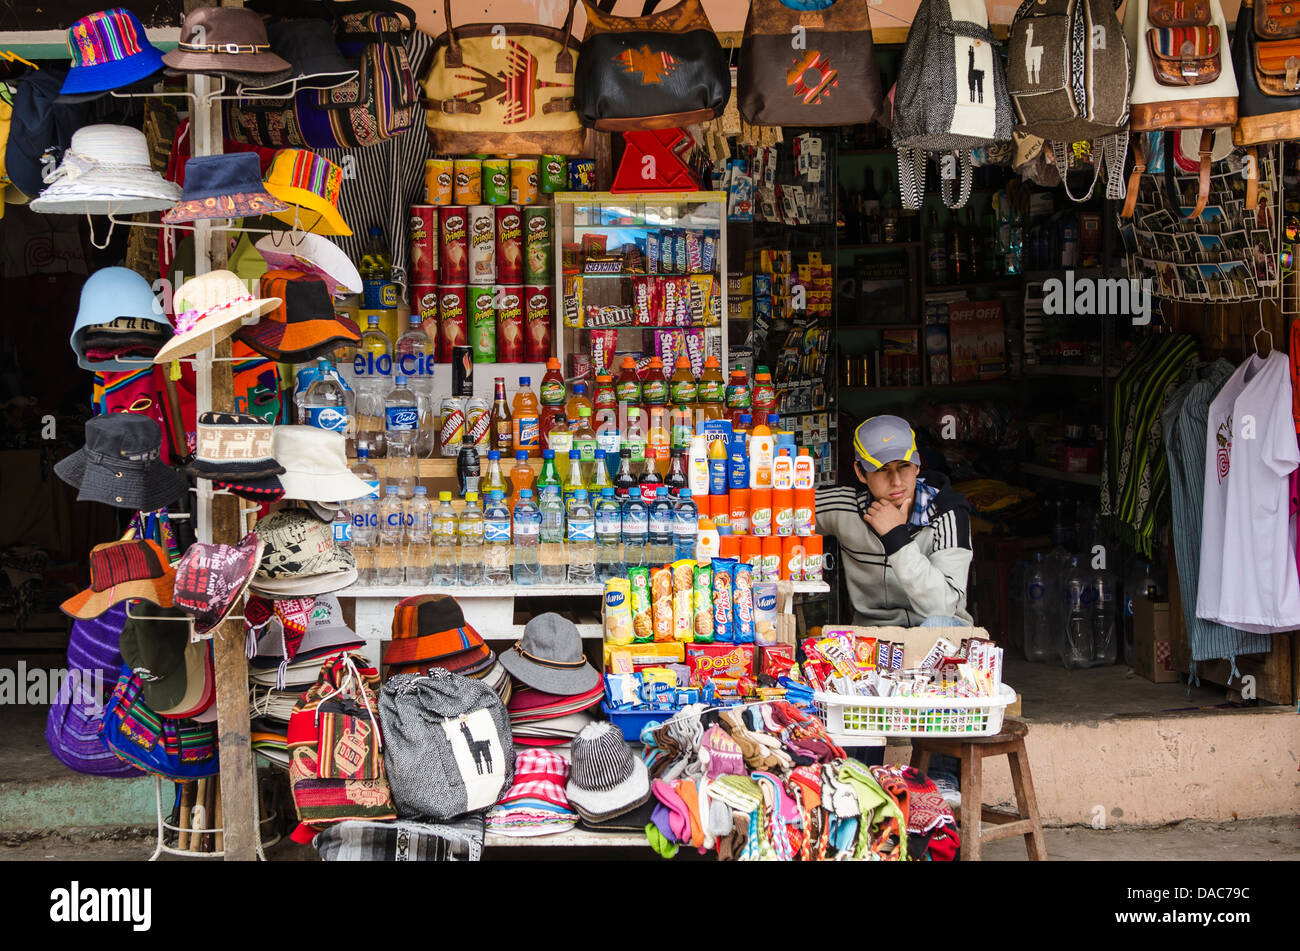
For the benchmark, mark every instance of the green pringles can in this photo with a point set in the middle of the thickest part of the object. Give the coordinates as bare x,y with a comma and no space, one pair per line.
539,244
482,323
496,181
554,173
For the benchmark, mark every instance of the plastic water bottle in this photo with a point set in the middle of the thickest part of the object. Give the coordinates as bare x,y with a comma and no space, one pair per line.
365,519
325,405
1140,585
551,551
1076,642
609,536
496,540
413,357
372,368
686,525
661,527
1040,634
419,533
1104,636
402,424
635,527
444,542
581,539
469,532
528,529
392,519
342,526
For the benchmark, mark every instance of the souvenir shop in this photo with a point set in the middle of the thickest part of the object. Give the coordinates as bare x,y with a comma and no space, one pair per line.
478,433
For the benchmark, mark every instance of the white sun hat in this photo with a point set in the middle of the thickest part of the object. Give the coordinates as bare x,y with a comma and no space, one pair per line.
106,170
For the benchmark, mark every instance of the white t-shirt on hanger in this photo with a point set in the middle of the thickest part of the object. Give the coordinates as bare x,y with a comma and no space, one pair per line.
1248,537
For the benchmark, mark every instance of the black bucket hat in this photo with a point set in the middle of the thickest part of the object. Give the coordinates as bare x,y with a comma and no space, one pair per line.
121,464
313,54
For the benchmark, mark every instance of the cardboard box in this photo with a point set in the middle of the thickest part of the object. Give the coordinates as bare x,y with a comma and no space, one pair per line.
1153,655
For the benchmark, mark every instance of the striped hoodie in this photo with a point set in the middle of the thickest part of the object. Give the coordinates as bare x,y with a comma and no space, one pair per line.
916,571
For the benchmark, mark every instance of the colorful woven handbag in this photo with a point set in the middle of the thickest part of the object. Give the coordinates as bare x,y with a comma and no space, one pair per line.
179,750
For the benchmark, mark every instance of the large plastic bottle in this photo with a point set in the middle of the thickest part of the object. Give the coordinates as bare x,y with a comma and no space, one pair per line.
628,385
522,476
635,440
659,440
551,551
527,535
548,480
635,529
764,397
581,539
711,390
325,403
584,440
413,357
573,481
686,525
445,557
576,402
526,411
1105,634
376,271
401,425
560,441
739,398
676,479
392,532
683,390
365,520
660,527
492,478
497,545
609,536
624,478
552,385
372,369
605,421
469,535
419,537
1040,634
1076,640
600,477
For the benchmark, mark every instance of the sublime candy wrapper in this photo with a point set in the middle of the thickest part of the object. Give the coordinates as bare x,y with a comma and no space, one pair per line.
618,611
661,602
684,600
708,661
742,602
703,597
642,626
724,571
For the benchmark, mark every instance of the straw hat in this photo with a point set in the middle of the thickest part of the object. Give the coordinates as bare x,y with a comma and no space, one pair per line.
210,308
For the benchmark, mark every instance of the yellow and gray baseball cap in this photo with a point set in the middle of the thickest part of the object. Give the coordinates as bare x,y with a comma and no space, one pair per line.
881,440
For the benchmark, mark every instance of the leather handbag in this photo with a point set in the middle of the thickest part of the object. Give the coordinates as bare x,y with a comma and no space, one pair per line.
1266,54
492,91
656,71
808,67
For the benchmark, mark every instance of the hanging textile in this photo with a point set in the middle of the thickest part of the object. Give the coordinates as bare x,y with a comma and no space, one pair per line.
1184,421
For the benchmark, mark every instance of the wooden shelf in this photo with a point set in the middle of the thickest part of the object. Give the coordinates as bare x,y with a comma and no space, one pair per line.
882,247
435,468
1091,372
1078,478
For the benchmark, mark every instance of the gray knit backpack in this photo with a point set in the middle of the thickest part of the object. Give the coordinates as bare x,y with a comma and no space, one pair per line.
951,98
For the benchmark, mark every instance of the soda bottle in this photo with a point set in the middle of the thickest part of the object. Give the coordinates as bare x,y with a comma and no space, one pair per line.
628,386
584,441
548,480
325,404
738,397
526,411
681,425
573,481
660,527
376,272
372,368
764,397
676,477
413,357
654,386
502,427
527,535
635,529
600,478
497,548
553,384
682,388
686,520
658,441
420,527
635,438
469,539
521,477
609,536
392,532
401,417
560,441
468,471
624,479
604,396
608,437
710,391
577,403
581,540
445,560
551,420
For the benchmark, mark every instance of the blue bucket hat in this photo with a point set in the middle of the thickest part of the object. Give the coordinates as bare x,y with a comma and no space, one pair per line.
109,49
121,297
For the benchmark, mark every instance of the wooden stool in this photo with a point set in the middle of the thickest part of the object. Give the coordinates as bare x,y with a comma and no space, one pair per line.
972,751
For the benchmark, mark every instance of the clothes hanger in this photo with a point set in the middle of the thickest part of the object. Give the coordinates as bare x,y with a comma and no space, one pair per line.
1262,330
11,57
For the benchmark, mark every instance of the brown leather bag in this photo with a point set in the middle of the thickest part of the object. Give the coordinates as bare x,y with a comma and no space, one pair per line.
808,67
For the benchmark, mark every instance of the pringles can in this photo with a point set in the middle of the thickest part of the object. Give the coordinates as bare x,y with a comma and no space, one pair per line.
424,301
423,227
510,244
538,309
453,246
496,181
468,183
482,245
539,245
482,324
453,302
523,181
510,323
582,175
554,172
438,176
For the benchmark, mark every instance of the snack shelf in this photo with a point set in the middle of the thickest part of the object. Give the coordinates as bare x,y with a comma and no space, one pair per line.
624,275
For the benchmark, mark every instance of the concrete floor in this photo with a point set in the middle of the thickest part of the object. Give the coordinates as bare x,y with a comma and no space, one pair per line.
1050,693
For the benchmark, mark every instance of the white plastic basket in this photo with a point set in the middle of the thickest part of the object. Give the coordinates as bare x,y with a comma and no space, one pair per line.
911,716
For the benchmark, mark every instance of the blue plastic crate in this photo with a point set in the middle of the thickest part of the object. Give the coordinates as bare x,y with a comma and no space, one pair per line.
631,722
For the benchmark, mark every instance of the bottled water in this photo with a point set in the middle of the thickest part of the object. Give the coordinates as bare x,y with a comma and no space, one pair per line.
686,525
444,542
1139,585
528,528
582,540
413,357
419,533
365,520
469,533
325,405
401,424
372,368
392,518
661,527
343,528
1104,637
1076,644
635,526
609,536
1040,631
552,556
496,540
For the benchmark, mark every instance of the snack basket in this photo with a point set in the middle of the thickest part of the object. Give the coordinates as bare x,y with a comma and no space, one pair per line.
848,716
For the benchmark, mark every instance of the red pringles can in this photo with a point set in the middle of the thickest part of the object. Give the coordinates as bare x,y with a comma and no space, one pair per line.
423,227
510,244
538,309
424,301
453,248
453,320
510,323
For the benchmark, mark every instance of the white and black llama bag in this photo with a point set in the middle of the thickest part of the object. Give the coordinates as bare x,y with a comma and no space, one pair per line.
951,97
448,749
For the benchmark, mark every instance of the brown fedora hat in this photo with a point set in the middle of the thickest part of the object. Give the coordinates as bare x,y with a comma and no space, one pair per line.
229,41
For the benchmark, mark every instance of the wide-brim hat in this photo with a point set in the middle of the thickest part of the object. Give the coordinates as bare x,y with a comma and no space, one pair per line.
316,465
233,446
123,571
211,579
121,465
429,630
305,326
106,170
227,41
306,585
549,657
111,296
605,778
264,490
300,557
223,186
208,309
109,50
314,59
311,254
311,184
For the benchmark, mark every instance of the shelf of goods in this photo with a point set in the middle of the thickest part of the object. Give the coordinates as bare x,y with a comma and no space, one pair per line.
490,609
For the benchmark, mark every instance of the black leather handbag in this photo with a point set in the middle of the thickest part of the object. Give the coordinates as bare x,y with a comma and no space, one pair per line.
1266,56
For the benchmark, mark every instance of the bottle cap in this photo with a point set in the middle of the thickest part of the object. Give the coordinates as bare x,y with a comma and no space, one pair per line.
634,492
520,454
363,453
548,453
607,492
471,496
494,454
421,490
580,494
372,320
524,493
600,453
683,362
628,362
553,363
575,454
525,381
390,490
685,493
580,388
442,496
496,495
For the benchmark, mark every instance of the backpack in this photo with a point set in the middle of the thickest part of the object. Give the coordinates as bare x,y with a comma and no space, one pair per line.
951,97
1266,54
1068,72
